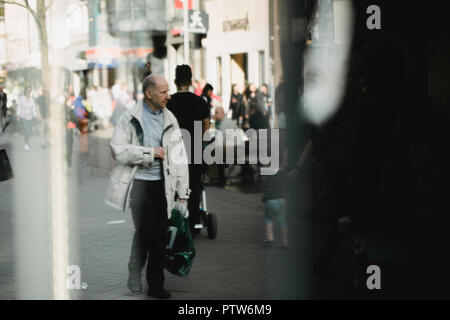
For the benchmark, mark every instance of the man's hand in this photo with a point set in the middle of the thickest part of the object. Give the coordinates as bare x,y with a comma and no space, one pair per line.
181,206
159,152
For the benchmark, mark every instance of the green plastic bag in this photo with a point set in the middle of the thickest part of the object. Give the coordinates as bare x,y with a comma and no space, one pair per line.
180,250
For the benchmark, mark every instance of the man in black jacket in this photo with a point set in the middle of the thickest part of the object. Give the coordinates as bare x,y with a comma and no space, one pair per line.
188,108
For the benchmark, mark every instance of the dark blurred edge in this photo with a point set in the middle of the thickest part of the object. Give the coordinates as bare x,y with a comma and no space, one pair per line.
402,167
6,172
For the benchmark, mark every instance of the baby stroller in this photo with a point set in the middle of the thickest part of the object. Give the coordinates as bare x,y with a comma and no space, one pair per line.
208,219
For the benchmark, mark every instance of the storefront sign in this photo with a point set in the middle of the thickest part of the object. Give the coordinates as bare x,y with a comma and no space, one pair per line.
238,24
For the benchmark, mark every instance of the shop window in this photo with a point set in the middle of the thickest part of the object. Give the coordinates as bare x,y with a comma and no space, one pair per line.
131,10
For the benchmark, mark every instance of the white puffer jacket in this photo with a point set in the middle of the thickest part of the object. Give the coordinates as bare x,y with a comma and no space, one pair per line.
127,149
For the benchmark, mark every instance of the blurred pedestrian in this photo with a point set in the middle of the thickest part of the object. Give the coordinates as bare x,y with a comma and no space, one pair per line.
257,119
27,113
223,124
93,98
148,65
237,106
207,94
198,89
188,108
116,90
105,105
82,114
121,99
275,207
41,101
267,100
253,96
71,127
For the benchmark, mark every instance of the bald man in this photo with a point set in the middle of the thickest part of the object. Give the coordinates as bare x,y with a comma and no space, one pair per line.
221,121
139,144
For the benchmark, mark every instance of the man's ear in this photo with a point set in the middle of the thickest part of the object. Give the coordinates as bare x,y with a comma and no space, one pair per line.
148,93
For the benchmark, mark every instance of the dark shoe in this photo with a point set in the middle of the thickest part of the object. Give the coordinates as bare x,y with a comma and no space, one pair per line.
134,284
159,294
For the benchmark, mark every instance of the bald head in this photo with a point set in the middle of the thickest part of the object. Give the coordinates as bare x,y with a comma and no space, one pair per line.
219,113
156,91
151,81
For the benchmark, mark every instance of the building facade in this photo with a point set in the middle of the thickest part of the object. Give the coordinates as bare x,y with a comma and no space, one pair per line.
67,32
238,48
22,54
121,35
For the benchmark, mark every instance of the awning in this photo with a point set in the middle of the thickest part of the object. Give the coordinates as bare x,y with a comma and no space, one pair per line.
109,57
